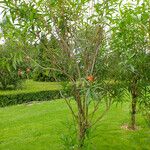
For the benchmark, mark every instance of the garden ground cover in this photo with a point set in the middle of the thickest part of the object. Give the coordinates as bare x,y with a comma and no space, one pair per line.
30,86
39,126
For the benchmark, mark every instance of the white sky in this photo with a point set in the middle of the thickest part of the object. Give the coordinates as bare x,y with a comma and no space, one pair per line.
1,39
0,13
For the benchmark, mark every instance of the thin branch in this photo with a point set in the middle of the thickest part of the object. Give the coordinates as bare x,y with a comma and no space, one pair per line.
70,107
100,117
95,109
96,50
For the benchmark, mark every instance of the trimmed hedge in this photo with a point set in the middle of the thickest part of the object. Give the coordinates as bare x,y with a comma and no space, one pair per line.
34,91
12,99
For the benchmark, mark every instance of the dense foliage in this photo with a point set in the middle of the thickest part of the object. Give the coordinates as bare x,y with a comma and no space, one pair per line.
10,62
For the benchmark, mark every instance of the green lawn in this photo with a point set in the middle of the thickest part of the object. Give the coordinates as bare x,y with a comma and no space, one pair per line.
30,86
38,126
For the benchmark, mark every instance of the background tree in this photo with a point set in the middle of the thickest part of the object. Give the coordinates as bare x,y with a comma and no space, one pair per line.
43,58
130,48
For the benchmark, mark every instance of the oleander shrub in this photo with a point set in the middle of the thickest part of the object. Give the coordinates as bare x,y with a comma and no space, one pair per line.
10,62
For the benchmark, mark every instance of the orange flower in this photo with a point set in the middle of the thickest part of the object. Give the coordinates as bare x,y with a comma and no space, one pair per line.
19,72
90,78
27,57
28,70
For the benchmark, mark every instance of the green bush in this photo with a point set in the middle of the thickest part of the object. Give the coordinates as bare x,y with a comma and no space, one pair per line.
9,79
10,62
42,75
12,99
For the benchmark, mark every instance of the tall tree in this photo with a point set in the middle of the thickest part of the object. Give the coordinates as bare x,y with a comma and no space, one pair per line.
131,47
81,39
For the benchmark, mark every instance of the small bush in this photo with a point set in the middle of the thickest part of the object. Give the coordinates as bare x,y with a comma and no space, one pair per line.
42,75
10,62
9,80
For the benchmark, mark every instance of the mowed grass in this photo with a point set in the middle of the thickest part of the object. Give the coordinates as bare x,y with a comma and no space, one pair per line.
30,86
39,126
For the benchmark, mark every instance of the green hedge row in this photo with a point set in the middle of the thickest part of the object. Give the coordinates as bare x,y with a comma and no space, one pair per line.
12,99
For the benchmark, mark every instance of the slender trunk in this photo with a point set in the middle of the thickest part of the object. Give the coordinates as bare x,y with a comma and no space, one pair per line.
82,120
82,133
83,127
81,124
133,113
134,103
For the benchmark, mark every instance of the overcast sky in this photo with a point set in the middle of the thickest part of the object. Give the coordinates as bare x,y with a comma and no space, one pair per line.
0,13
1,39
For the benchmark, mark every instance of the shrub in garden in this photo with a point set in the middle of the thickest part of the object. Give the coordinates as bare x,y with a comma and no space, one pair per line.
10,62
81,37
130,45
